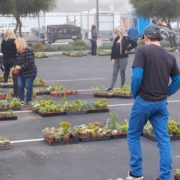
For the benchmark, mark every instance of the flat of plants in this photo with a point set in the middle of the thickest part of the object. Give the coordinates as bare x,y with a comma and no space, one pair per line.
173,130
123,92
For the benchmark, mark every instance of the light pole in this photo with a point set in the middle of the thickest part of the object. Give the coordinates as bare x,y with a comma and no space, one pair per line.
97,16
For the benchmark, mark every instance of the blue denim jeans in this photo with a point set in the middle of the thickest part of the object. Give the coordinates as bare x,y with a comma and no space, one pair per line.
157,114
28,84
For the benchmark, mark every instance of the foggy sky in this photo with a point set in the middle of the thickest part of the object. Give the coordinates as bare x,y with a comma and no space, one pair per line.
122,6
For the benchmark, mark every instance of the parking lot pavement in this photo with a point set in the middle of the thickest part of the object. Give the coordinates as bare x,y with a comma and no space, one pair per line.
30,158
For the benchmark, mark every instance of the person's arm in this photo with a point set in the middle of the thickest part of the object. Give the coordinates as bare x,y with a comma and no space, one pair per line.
2,47
113,49
137,72
131,44
136,80
175,85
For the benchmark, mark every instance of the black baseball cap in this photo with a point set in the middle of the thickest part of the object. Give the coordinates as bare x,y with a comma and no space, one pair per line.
153,31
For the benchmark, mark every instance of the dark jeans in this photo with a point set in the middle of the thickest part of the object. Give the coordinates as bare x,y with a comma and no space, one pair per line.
15,85
28,84
7,67
93,47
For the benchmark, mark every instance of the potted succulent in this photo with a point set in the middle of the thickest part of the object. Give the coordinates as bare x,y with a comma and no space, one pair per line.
118,129
9,115
177,175
40,82
60,135
4,143
92,132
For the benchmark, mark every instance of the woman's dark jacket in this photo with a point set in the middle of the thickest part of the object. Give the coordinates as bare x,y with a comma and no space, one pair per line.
26,61
8,48
126,46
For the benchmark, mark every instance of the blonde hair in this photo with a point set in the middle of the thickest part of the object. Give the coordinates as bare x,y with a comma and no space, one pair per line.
120,31
21,44
9,34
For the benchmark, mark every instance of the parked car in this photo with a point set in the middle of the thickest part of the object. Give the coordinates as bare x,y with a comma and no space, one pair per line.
65,31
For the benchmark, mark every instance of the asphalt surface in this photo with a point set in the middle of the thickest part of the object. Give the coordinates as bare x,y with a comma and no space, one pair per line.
104,160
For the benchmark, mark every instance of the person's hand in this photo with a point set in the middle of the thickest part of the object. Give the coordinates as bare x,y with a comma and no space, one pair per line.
113,61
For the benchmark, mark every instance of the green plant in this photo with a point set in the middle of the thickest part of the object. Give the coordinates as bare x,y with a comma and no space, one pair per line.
37,46
79,43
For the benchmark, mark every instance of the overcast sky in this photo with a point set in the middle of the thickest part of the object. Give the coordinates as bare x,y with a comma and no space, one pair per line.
122,6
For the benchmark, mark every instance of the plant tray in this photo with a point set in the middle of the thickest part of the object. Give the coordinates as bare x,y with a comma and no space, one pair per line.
91,139
8,118
112,96
5,146
119,136
151,137
76,112
10,85
51,114
40,85
97,111
177,177
72,140
7,108
43,93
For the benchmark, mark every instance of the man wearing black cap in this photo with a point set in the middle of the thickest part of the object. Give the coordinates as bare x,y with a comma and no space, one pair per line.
152,68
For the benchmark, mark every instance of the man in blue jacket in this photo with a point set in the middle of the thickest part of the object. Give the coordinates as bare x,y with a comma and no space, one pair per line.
152,68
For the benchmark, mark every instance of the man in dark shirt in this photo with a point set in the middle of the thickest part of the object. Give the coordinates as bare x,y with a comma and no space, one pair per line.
93,40
152,68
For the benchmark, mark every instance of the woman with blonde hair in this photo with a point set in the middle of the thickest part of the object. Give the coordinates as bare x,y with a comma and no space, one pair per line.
26,69
119,55
8,49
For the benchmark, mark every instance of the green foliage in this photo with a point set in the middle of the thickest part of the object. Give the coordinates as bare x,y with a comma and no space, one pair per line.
79,43
37,46
113,122
164,9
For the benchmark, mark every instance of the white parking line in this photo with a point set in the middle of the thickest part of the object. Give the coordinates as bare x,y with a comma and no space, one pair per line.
67,80
26,140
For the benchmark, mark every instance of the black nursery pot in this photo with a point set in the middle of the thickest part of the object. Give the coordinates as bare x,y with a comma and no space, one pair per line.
177,177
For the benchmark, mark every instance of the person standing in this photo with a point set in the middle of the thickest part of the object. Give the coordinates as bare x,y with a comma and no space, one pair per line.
152,68
119,55
93,40
26,68
8,49
133,35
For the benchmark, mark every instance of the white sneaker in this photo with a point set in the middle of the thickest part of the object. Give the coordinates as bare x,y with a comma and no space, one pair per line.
130,177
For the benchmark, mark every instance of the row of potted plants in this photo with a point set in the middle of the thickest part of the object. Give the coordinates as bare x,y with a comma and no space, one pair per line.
112,129
10,104
49,108
39,82
4,143
75,53
122,92
55,90
173,130
8,115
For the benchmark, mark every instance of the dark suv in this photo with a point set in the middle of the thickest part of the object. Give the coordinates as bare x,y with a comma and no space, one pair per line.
65,31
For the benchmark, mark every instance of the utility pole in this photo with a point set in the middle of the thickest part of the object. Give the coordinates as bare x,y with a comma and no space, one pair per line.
97,16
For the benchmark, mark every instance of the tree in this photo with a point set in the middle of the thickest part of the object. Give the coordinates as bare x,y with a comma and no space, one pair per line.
163,10
24,8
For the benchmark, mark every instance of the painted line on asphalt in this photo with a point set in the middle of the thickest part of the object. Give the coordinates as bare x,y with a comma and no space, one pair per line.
68,80
26,140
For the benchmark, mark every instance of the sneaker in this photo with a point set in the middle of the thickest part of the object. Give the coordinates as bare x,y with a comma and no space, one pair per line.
132,177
